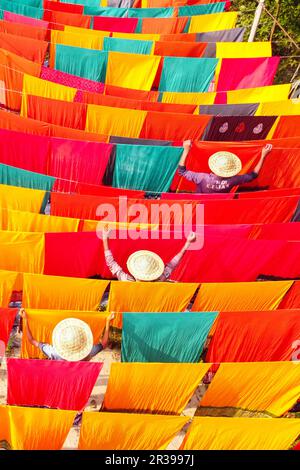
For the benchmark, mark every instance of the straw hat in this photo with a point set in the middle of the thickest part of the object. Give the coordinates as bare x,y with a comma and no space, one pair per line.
145,265
72,339
225,164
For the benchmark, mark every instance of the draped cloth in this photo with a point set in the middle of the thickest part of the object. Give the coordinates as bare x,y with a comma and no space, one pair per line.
24,252
147,168
34,428
180,74
7,318
212,22
241,434
62,293
121,431
238,296
133,46
287,126
9,175
165,337
173,126
251,336
24,199
238,50
29,48
42,323
279,108
131,70
269,387
115,121
21,221
253,72
237,128
112,24
259,94
54,384
171,385
149,297
8,281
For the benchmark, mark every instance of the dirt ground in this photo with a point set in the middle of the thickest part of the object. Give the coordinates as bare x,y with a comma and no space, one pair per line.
108,356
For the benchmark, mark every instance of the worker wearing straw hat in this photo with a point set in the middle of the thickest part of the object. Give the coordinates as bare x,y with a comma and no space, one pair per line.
225,168
72,340
143,265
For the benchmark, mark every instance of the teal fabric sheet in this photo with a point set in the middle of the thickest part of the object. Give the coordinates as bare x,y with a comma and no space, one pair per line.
195,10
13,176
85,63
131,46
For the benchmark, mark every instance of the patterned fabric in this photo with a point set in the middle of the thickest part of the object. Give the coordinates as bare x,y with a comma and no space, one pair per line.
238,128
72,81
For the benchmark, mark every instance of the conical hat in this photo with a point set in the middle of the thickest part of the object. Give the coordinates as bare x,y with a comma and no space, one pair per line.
145,265
72,339
225,164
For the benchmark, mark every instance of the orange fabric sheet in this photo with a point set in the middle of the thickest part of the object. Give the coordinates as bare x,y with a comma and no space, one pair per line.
179,49
171,126
25,30
172,385
71,19
237,296
133,94
29,222
8,281
121,431
34,428
62,293
24,252
43,322
288,126
150,297
31,49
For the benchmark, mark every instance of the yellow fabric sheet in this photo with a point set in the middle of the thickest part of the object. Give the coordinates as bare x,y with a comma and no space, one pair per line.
188,98
42,323
8,281
279,108
241,434
34,428
114,121
259,95
62,293
239,50
213,22
136,71
150,296
137,36
23,199
29,222
121,431
93,225
271,387
39,87
238,296
23,252
85,38
152,387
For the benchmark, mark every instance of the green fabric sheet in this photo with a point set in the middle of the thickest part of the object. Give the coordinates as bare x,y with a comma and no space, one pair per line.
85,63
145,167
187,74
195,10
165,337
26,179
130,46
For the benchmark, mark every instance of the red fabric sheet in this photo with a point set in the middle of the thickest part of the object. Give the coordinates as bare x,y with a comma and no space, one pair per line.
78,161
292,297
7,318
58,19
72,254
60,113
55,384
83,188
196,196
170,126
65,7
131,93
289,231
248,73
270,193
179,49
288,126
254,336
244,260
19,29
115,25
26,151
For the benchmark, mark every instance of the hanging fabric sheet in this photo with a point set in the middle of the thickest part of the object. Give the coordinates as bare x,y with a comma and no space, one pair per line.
62,293
165,337
171,385
232,128
51,384
213,22
135,432
85,63
24,252
34,428
241,434
7,318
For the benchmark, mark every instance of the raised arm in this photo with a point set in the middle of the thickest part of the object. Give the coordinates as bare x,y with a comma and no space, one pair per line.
112,265
265,151
186,148
104,340
26,329
169,268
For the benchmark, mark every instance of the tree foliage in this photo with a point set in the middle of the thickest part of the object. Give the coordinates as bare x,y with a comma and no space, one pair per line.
287,13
